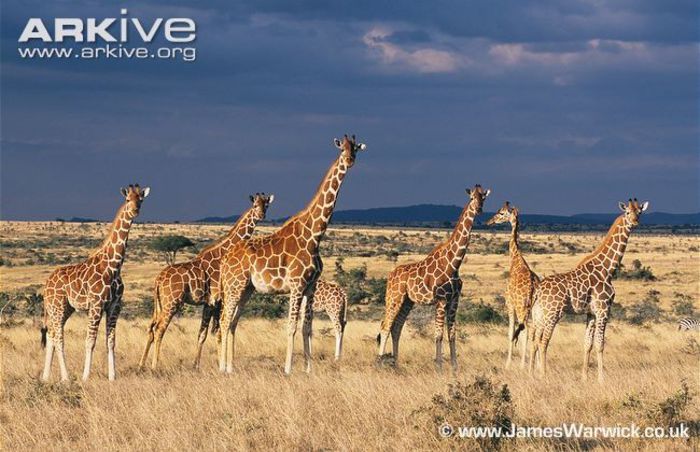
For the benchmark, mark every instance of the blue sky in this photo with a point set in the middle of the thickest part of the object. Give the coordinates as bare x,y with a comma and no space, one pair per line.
559,106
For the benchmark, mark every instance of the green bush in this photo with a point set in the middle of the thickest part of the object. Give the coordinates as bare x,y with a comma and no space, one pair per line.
479,313
682,305
645,311
358,286
481,403
638,272
266,306
170,245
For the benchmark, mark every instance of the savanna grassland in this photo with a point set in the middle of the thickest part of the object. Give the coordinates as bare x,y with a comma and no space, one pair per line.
652,370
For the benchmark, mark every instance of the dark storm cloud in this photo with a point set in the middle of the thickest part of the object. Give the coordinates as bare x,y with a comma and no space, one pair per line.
569,106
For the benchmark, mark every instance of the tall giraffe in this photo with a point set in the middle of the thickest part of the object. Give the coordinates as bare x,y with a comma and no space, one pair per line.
588,287
332,299
95,286
521,283
197,282
287,261
433,280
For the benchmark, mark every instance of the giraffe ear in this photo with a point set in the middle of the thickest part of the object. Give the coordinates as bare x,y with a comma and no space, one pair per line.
124,192
645,206
622,206
337,142
362,147
145,192
488,192
469,192
252,198
270,199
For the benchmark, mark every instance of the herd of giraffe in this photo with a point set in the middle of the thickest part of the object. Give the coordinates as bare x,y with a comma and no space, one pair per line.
223,276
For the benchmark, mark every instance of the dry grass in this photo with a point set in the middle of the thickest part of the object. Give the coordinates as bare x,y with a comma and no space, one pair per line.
351,406
348,406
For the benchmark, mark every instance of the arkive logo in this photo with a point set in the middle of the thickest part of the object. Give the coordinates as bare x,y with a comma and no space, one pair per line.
107,38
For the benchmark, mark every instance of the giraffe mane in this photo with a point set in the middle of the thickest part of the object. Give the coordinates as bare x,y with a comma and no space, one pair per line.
108,236
603,242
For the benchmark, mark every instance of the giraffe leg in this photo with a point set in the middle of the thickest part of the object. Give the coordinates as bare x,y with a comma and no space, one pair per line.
49,357
523,346
59,344
94,317
229,309
601,322
547,331
452,330
397,327
339,327
295,300
307,307
588,344
149,341
394,303
160,328
207,313
535,337
53,311
111,332
440,312
234,324
511,333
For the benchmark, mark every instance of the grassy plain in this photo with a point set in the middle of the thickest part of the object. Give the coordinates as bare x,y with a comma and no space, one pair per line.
351,405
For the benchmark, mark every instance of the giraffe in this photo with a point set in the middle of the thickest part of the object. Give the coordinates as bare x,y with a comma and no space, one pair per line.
285,262
433,280
521,283
588,287
95,286
332,299
197,282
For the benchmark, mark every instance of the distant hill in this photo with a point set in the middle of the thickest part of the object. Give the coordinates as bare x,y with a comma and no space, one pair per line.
439,214
231,219
78,220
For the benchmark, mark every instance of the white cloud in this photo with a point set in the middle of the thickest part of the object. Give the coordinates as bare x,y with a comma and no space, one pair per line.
424,60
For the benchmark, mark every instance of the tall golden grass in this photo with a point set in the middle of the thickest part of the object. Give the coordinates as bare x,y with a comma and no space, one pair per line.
352,405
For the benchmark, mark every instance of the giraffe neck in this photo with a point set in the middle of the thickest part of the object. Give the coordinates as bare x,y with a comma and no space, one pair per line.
318,213
243,229
609,253
113,249
514,246
459,240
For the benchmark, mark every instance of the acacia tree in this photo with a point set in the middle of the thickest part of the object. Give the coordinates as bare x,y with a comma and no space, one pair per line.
169,245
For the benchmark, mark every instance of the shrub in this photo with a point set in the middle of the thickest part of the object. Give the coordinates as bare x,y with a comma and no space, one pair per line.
647,310
170,245
358,286
638,272
669,412
266,306
480,403
682,305
480,313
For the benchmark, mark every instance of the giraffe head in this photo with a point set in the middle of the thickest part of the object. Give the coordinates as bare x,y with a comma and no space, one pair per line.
632,210
506,214
349,147
261,202
478,195
134,196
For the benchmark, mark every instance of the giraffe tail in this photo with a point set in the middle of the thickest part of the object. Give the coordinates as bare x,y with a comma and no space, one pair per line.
44,329
345,312
516,333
